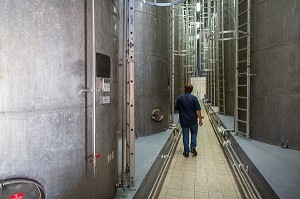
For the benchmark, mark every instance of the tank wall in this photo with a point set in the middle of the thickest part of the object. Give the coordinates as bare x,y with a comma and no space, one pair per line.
275,49
45,119
229,59
107,43
151,67
178,63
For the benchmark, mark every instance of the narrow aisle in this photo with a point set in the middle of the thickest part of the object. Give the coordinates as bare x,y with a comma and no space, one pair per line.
207,175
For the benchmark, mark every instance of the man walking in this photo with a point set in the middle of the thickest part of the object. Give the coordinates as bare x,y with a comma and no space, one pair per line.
189,110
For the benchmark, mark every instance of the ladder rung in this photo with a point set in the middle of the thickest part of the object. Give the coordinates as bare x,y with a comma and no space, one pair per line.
242,49
242,61
242,73
242,85
243,37
241,133
240,97
241,1
243,25
243,12
241,109
245,122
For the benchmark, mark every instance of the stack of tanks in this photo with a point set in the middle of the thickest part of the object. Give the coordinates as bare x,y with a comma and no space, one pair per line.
274,64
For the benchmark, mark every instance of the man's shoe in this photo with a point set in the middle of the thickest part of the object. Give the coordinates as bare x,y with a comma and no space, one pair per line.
193,151
185,155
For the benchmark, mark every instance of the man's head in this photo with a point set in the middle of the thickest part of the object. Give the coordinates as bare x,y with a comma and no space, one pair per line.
188,88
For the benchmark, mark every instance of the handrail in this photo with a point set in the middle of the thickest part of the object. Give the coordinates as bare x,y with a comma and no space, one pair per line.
222,136
167,161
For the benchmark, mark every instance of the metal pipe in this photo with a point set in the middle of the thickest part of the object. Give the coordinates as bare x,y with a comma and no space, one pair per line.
248,70
173,65
237,164
124,115
164,169
93,92
236,66
257,194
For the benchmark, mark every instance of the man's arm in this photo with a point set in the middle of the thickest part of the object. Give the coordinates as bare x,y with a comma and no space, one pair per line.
199,116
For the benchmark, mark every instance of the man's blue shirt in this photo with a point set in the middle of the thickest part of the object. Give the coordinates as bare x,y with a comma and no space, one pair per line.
187,104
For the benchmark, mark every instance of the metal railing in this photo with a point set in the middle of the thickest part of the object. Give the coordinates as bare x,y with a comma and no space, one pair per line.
166,164
222,135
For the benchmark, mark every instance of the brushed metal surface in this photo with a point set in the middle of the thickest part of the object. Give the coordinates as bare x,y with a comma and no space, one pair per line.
275,49
151,67
45,118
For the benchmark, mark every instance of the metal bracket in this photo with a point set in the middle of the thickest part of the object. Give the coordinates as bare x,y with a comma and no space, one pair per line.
282,144
122,185
164,156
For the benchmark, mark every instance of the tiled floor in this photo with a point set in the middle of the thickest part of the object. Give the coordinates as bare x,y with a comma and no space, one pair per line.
207,175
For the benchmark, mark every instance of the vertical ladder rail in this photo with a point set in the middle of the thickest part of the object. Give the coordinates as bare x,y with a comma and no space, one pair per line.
212,48
209,50
130,146
221,57
172,61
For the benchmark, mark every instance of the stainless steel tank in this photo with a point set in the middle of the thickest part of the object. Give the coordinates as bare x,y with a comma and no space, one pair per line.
229,57
45,116
275,88
151,67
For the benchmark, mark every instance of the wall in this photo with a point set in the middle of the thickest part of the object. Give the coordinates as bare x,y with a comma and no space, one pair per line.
199,87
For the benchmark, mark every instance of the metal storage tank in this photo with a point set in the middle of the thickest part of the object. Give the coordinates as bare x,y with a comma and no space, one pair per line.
178,60
152,37
275,88
229,57
45,114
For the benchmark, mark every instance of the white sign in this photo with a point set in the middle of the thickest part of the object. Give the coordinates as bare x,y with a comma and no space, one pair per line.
105,100
105,87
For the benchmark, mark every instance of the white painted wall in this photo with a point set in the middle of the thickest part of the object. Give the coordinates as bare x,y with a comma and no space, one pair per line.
199,84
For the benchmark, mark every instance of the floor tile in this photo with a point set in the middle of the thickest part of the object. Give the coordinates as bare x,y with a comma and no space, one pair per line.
205,176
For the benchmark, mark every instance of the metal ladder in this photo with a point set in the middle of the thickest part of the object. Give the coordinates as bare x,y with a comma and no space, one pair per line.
242,61
202,38
212,18
191,39
204,44
185,15
221,57
225,36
